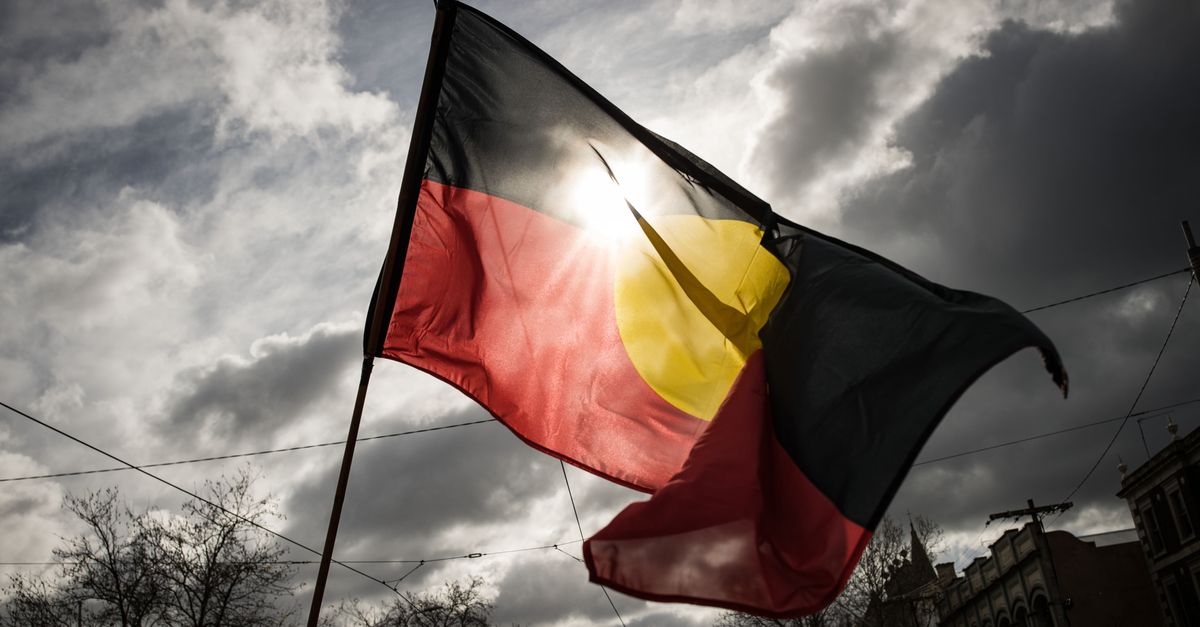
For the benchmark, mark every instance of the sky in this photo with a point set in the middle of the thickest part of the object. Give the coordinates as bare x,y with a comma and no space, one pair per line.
196,197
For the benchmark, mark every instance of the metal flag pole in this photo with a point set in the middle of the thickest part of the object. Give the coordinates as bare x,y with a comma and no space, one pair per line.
384,298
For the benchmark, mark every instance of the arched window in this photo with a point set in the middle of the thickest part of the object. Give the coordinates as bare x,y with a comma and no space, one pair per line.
1039,616
1021,617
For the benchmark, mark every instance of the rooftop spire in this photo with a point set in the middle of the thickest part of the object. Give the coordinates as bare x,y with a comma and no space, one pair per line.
922,567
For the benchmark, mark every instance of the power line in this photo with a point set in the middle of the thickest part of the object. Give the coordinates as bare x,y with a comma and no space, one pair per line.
579,526
489,420
1137,398
430,560
237,455
188,492
1145,412
1106,291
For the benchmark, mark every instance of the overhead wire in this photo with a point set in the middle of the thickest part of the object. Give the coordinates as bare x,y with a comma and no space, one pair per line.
1147,413
188,492
76,473
1136,399
579,526
428,560
1106,291
286,449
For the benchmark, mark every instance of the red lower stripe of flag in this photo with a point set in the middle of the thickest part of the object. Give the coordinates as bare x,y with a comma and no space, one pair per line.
739,527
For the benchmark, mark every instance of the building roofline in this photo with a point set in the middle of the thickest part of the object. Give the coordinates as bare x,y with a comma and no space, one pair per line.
1171,452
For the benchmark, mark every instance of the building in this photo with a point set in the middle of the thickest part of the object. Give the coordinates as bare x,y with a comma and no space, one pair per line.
1033,578
909,593
1162,496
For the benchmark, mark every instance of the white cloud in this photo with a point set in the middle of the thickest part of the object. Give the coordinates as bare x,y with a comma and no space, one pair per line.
31,510
268,68
103,289
842,73
279,74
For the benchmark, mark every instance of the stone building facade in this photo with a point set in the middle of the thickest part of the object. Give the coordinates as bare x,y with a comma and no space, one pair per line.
1033,578
1163,495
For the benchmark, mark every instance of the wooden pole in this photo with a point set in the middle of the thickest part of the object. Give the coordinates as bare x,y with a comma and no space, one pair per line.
389,279
339,496
1193,250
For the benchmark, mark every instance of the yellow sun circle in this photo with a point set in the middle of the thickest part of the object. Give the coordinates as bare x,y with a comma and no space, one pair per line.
689,314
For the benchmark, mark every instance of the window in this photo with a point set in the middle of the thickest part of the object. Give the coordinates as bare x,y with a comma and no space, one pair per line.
1196,579
1179,511
1153,530
1178,610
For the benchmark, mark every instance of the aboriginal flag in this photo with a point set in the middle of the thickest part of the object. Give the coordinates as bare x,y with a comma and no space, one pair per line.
622,305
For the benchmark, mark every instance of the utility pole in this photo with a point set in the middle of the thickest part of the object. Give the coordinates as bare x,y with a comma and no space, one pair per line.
1193,250
1036,513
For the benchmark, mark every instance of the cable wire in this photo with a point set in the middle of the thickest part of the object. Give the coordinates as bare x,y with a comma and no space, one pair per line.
237,455
1137,398
188,492
579,526
76,473
1147,413
388,561
1106,291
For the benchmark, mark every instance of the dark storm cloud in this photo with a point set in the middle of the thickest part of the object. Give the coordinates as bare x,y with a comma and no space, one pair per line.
166,152
830,100
236,398
168,155
34,33
430,495
1057,157
405,494
1051,165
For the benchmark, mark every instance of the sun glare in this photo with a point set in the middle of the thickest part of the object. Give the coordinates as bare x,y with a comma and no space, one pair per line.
601,202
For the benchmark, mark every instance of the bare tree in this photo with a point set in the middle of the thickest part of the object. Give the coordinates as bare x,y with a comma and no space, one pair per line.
220,569
106,575
202,567
33,602
455,605
888,549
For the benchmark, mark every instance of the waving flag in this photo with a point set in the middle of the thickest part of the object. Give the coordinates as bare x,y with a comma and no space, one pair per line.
622,305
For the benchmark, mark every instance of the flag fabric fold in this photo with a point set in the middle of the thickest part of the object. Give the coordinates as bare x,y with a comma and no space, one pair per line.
622,305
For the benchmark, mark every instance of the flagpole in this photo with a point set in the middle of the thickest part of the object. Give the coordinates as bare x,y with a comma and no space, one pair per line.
384,298
335,516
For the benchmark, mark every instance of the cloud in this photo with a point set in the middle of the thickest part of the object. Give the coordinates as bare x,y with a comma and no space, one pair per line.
30,511
1051,164
268,68
88,279
442,490
1049,152
832,113
843,73
284,380
184,180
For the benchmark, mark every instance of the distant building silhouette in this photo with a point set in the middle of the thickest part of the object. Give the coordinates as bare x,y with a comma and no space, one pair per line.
1162,494
909,592
1050,579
